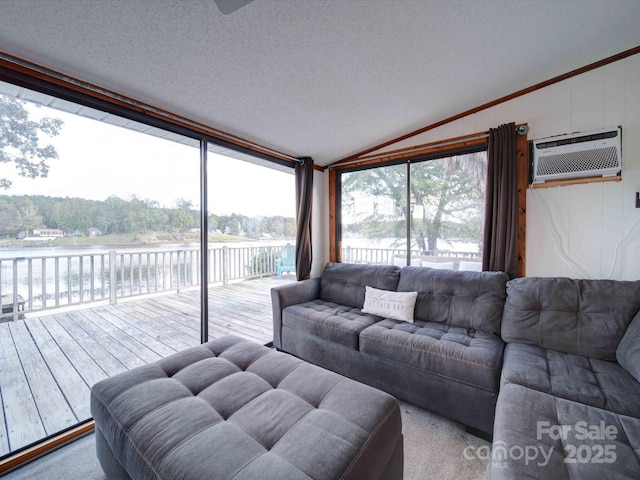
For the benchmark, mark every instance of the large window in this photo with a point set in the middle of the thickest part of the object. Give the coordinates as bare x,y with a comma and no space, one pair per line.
439,226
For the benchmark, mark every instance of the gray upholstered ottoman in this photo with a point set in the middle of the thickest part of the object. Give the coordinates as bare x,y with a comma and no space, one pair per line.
235,409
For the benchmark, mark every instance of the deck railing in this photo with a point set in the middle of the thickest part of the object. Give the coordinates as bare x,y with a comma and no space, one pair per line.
386,256
36,283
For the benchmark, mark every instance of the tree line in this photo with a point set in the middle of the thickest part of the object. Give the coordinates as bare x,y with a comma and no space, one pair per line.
21,214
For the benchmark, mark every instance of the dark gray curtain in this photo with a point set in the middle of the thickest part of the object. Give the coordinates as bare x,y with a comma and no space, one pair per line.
500,246
304,196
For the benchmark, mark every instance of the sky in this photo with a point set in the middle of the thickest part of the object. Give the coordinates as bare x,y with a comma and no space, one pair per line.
97,160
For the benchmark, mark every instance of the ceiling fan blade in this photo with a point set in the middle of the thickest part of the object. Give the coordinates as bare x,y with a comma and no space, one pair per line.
229,6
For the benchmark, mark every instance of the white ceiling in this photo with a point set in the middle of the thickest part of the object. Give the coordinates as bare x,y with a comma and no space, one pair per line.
323,78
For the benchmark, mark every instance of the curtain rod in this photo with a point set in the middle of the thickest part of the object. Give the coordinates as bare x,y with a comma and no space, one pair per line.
520,130
201,128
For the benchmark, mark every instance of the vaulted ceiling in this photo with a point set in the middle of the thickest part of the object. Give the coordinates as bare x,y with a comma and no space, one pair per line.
323,78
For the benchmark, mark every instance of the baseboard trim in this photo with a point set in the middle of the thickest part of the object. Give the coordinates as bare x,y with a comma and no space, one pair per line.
35,451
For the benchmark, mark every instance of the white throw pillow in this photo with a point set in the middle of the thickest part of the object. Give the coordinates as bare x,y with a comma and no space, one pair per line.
389,304
466,266
438,265
416,261
399,261
402,261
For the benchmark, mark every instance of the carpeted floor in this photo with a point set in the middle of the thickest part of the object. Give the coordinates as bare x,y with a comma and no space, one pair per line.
434,448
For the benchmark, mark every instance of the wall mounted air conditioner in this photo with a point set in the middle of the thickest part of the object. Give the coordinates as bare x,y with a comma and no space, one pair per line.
583,154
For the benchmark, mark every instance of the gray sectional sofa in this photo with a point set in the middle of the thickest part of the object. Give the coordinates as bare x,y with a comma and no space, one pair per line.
561,357
448,360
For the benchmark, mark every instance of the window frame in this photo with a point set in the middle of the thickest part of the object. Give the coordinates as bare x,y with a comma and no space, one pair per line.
70,91
438,149
420,158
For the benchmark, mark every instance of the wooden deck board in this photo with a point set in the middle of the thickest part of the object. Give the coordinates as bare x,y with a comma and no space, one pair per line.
91,325
100,355
228,313
74,387
170,314
114,326
54,410
174,330
66,352
88,369
4,439
23,422
221,323
148,346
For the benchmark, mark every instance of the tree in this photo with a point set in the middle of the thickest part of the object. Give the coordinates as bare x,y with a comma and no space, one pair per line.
213,222
111,216
27,218
20,141
72,215
8,214
183,216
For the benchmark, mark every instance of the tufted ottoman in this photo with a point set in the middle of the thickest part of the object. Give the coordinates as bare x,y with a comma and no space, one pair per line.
235,409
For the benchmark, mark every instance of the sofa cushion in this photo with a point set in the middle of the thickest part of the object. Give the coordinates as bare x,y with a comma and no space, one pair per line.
528,439
344,283
330,321
458,354
628,352
473,300
586,380
582,317
389,304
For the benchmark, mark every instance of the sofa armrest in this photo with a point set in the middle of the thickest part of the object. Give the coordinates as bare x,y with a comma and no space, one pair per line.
289,294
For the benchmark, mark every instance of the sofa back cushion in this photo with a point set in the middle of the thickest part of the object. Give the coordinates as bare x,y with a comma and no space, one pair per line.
472,300
581,317
344,283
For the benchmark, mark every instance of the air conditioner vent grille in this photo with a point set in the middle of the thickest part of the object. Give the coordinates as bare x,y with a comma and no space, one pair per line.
578,155
588,160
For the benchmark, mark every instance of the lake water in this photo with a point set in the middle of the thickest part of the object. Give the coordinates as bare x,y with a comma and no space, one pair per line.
31,252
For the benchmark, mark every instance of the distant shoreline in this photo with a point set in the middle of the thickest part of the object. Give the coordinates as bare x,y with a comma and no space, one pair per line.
137,240
20,251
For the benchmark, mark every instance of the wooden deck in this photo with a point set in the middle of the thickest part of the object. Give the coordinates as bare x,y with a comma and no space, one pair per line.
49,363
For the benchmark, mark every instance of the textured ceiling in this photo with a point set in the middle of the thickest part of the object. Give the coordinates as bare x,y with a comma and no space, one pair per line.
324,78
